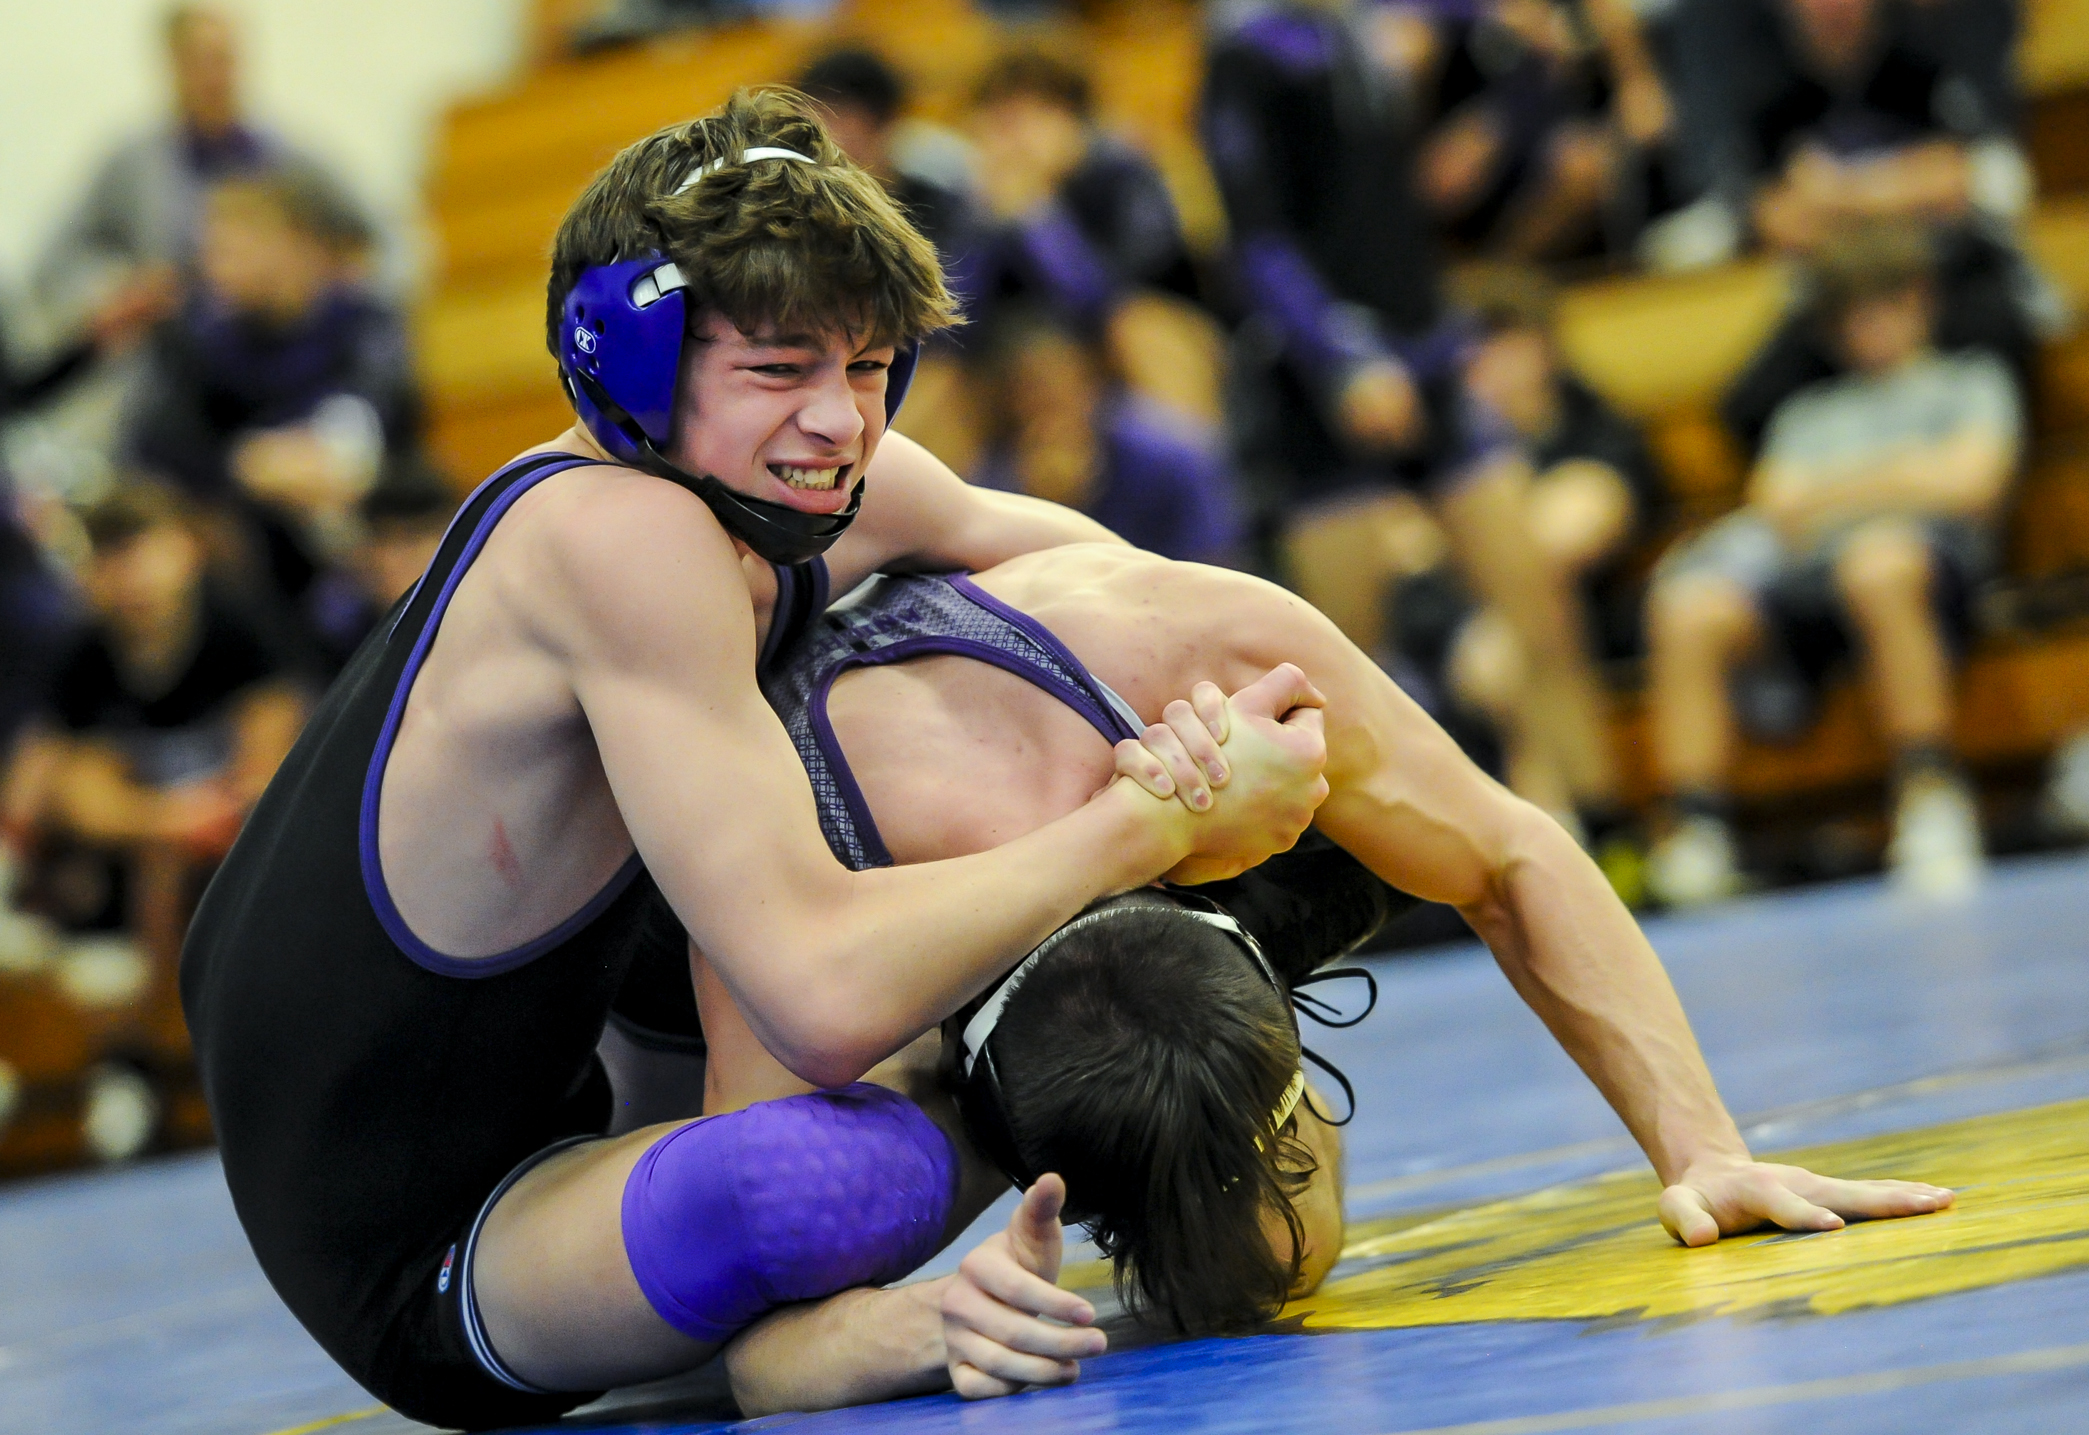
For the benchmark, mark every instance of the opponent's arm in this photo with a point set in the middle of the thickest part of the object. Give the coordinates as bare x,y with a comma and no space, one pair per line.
643,604
1409,804
919,516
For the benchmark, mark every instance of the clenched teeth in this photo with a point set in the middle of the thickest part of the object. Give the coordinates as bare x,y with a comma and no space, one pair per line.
810,478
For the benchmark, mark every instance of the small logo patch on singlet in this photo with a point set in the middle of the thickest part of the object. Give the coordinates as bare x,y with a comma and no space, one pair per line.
442,1277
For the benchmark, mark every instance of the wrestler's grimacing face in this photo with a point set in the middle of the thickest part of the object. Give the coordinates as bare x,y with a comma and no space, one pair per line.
791,418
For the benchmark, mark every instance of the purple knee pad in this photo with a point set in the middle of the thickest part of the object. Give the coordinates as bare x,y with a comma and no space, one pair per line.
785,1201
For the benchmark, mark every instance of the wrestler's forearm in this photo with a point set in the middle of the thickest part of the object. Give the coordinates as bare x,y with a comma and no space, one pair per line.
849,1349
854,966
1575,955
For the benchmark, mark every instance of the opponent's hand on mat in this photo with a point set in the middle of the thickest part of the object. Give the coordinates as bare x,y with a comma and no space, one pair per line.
1006,1326
1266,743
1728,1196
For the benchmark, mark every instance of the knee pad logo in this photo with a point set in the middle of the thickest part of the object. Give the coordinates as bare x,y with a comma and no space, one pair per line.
442,1277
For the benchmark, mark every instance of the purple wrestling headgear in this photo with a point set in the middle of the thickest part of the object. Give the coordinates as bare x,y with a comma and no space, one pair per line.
620,349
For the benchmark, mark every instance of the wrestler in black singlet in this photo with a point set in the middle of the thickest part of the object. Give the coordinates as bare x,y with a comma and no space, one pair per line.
370,1094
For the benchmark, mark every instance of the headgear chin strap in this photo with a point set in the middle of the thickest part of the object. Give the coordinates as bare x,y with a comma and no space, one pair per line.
622,327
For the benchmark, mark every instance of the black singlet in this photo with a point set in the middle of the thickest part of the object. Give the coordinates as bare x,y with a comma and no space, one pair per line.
370,1094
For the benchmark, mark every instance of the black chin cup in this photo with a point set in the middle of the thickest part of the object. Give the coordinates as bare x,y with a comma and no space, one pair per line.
776,532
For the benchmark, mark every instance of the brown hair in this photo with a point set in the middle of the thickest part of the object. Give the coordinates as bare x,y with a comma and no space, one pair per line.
1038,74
1871,261
303,198
133,508
815,248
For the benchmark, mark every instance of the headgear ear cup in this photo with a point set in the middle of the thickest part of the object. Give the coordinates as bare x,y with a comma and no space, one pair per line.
622,327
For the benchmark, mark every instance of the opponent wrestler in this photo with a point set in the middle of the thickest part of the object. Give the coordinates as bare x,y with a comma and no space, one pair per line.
1032,670
398,978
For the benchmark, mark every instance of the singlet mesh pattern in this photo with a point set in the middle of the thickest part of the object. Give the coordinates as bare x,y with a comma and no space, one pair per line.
891,619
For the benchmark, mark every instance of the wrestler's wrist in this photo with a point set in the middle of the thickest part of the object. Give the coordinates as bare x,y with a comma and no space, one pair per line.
1152,834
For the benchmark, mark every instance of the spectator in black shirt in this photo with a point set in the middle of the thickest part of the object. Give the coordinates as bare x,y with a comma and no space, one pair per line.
1350,390
1594,498
174,713
1811,117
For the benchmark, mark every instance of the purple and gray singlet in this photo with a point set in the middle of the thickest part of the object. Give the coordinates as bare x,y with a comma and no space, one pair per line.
790,1200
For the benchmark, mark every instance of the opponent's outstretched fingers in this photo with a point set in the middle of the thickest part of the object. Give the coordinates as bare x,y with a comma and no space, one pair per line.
972,1383
974,1312
1870,1200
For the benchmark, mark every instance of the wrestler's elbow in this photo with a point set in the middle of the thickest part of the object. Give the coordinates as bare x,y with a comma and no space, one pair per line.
831,1042
1521,838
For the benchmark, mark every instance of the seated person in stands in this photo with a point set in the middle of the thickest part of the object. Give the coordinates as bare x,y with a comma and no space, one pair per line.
1809,116
924,169
1069,433
1592,496
1350,398
173,714
1164,1117
274,398
401,522
1081,223
1869,525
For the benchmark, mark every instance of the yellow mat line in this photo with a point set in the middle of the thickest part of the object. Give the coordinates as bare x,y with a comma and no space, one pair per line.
331,1421
2028,1362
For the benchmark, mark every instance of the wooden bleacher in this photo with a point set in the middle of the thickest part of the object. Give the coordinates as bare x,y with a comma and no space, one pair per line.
1661,348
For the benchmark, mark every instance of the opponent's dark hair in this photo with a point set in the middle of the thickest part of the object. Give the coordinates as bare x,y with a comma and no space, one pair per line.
807,248
1142,1059
856,76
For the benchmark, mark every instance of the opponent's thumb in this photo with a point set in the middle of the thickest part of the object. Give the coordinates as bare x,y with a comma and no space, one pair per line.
1034,1238
1277,692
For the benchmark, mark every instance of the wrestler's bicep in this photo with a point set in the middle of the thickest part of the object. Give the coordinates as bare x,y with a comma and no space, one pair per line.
1403,798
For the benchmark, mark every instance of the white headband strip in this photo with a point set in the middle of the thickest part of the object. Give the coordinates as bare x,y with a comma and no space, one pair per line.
758,152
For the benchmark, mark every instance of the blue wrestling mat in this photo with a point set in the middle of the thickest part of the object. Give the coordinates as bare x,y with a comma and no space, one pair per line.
1504,1273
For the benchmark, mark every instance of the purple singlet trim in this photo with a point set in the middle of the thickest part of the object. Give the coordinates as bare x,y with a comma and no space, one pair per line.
1100,715
380,895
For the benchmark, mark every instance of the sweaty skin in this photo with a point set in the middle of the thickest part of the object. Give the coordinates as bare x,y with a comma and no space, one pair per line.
1403,799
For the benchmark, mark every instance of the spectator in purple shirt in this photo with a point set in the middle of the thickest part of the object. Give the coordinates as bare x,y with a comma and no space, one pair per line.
1351,392
278,393
134,237
1070,435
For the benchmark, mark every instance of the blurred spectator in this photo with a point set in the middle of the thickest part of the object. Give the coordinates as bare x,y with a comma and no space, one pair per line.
1070,435
137,230
1078,217
402,523
1869,525
277,394
1810,116
174,714
1350,384
1593,497
1080,222
1519,162
865,99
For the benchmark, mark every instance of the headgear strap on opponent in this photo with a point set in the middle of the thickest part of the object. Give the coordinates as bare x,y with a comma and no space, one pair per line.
620,352
979,1085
